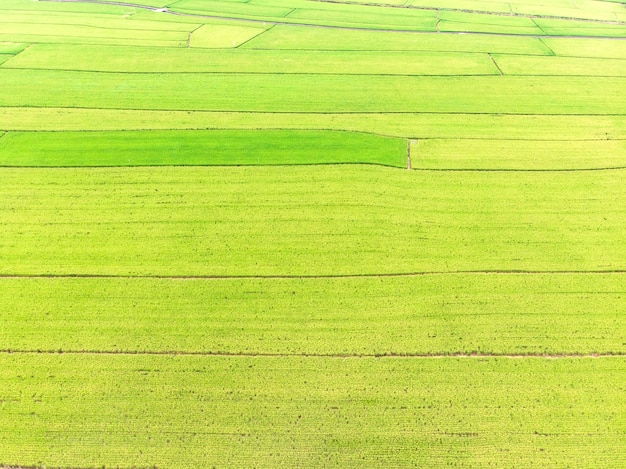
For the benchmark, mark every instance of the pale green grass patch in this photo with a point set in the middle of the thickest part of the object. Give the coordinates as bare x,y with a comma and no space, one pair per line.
430,314
145,59
556,27
218,36
293,37
486,126
307,220
186,411
560,66
518,154
588,47
475,22
313,93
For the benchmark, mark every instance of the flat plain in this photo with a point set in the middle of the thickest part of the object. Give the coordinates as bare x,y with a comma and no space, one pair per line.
213,254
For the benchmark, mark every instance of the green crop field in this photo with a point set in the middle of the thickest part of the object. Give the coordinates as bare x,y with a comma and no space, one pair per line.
305,233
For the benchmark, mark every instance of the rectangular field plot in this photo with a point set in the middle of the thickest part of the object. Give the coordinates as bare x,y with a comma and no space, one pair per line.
146,59
470,5
313,93
563,12
66,410
221,36
234,8
437,125
560,66
293,37
198,148
518,154
89,34
476,22
374,18
422,315
555,27
587,47
307,220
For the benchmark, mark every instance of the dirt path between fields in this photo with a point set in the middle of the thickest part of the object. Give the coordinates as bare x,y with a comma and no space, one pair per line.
347,28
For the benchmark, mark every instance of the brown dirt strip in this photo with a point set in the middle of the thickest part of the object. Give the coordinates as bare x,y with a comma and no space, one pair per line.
321,276
209,353
311,25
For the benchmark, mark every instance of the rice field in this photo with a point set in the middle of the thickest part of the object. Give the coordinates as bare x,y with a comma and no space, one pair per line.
312,234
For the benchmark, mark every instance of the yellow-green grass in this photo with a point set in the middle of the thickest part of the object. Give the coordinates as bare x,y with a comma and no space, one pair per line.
97,22
22,32
560,66
587,47
188,148
313,93
321,14
91,410
555,27
45,7
497,7
220,36
236,9
525,314
475,22
148,59
371,18
308,220
437,125
518,154
563,12
293,37
11,47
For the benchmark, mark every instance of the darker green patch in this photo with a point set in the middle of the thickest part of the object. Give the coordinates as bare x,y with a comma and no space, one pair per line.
198,148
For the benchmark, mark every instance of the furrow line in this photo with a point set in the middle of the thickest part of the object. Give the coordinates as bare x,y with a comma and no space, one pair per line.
190,353
327,276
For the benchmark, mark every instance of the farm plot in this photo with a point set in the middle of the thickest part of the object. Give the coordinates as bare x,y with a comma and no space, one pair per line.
101,409
311,221
292,37
421,315
413,125
314,93
257,311
147,59
189,148
518,155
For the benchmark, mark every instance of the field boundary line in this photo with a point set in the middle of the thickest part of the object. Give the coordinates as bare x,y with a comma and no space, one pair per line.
336,163
495,64
424,355
328,113
311,276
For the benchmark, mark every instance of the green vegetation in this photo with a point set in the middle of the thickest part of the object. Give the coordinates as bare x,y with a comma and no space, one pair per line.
512,155
318,220
422,314
186,148
313,93
147,59
212,253
310,411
